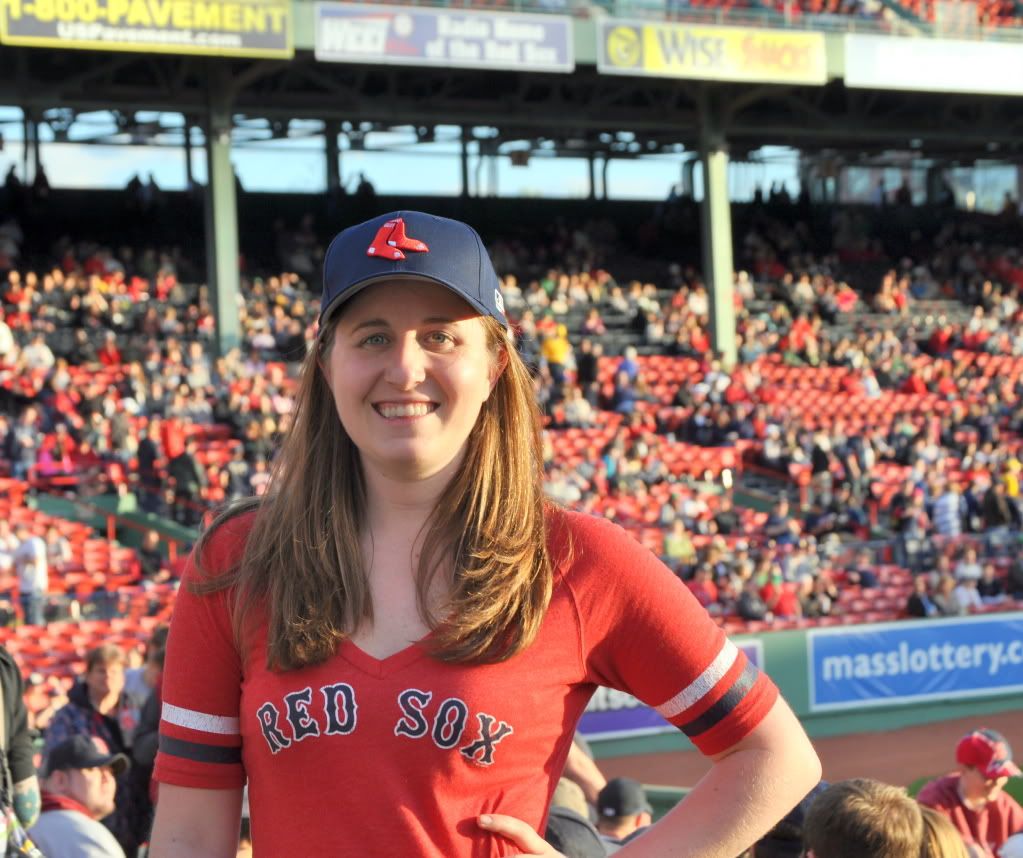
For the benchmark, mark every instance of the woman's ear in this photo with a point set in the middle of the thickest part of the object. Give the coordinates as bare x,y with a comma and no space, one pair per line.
498,366
323,346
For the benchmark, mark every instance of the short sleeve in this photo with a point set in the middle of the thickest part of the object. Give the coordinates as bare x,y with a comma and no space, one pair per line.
200,739
643,632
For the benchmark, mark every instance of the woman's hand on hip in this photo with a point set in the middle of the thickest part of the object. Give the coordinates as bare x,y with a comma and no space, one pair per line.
519,833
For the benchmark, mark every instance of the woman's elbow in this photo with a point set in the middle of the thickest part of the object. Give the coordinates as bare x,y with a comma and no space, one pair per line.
801,763
814,767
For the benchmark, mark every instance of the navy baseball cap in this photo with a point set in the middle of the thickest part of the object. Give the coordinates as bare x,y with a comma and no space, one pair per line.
622,797
411,245
84,752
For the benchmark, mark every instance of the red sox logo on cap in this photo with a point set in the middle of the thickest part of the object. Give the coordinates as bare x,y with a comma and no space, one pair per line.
390,241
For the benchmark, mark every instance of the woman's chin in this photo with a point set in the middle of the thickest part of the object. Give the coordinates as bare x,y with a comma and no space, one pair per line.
412,464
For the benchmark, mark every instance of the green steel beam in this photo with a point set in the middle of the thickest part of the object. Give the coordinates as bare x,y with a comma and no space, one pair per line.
716,221
222,224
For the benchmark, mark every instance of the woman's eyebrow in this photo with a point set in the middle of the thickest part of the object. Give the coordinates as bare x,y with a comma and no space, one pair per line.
370,323
382,323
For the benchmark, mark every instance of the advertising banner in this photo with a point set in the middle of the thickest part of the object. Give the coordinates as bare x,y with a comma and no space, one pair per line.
614,714
241,28
933,65
420,36
910,662
710,53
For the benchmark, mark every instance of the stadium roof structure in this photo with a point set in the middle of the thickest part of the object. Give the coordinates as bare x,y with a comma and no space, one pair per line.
587,84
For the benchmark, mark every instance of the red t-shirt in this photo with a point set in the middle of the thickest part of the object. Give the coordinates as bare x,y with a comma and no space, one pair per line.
360,756
989,827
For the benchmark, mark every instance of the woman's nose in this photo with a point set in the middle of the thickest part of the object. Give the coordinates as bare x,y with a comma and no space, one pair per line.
408,367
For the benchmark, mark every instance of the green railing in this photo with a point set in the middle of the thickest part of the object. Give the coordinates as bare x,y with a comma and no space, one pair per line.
663,798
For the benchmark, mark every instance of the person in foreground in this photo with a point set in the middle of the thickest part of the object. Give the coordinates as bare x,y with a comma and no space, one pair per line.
974,799
394,644
941,840
863,818
78,791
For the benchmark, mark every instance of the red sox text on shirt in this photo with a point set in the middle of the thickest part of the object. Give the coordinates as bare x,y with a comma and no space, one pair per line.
446,723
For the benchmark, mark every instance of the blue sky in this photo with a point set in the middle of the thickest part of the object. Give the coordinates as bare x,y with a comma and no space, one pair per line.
407,168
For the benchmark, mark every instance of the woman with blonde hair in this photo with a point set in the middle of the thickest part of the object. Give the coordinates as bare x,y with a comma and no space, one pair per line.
393,645
941,838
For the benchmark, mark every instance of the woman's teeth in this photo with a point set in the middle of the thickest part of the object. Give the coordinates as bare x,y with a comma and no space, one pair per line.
415,409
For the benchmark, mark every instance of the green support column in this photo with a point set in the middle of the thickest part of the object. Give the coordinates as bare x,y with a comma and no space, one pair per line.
37,155
331,130
688,172
189,178
222,228
466,137
28,135
716,222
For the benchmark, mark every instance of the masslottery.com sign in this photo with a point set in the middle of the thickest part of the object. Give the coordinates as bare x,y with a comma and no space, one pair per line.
915,661
249,28
613,714
710,53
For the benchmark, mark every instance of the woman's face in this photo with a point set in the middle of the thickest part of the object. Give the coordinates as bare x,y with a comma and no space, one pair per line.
409,370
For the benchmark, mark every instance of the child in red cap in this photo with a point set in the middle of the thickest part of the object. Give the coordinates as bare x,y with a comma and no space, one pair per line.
975,798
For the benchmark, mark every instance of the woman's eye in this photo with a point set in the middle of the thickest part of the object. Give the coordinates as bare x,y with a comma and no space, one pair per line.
440,338
374,340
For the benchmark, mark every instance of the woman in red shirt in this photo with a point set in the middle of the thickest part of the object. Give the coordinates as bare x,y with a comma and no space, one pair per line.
394,644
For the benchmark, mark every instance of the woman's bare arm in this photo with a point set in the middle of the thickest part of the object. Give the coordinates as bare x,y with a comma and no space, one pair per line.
196,823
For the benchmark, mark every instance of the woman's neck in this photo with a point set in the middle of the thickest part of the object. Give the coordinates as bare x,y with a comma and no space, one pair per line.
406,502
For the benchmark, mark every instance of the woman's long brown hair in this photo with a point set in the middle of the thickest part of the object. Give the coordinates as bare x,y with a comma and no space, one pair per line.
302,565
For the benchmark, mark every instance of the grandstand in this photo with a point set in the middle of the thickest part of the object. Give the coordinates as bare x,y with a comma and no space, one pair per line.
861,362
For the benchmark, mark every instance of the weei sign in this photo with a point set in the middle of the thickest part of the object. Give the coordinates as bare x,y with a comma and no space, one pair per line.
392,35
710,53
890,62
909,662
253,28
614,714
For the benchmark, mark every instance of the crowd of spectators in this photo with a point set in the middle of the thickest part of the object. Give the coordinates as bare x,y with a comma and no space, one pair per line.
883,410
887,409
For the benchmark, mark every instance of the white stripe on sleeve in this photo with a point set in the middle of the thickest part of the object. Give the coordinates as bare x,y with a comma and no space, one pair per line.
200,721
703,684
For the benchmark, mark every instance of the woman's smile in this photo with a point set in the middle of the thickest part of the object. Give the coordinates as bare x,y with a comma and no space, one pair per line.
404,411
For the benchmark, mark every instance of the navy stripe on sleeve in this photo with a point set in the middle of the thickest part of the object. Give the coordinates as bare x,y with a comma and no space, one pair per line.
723,708
199,753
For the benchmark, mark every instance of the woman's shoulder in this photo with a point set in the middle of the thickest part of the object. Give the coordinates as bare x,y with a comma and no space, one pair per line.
579,528
578,541
222,546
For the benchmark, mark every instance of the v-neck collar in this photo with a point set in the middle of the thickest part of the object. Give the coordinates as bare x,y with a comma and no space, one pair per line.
381,668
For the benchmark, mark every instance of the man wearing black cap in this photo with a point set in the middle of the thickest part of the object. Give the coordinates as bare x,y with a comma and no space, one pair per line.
622,810
78,791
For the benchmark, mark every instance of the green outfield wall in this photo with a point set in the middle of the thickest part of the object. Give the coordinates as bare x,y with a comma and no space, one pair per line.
862,701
